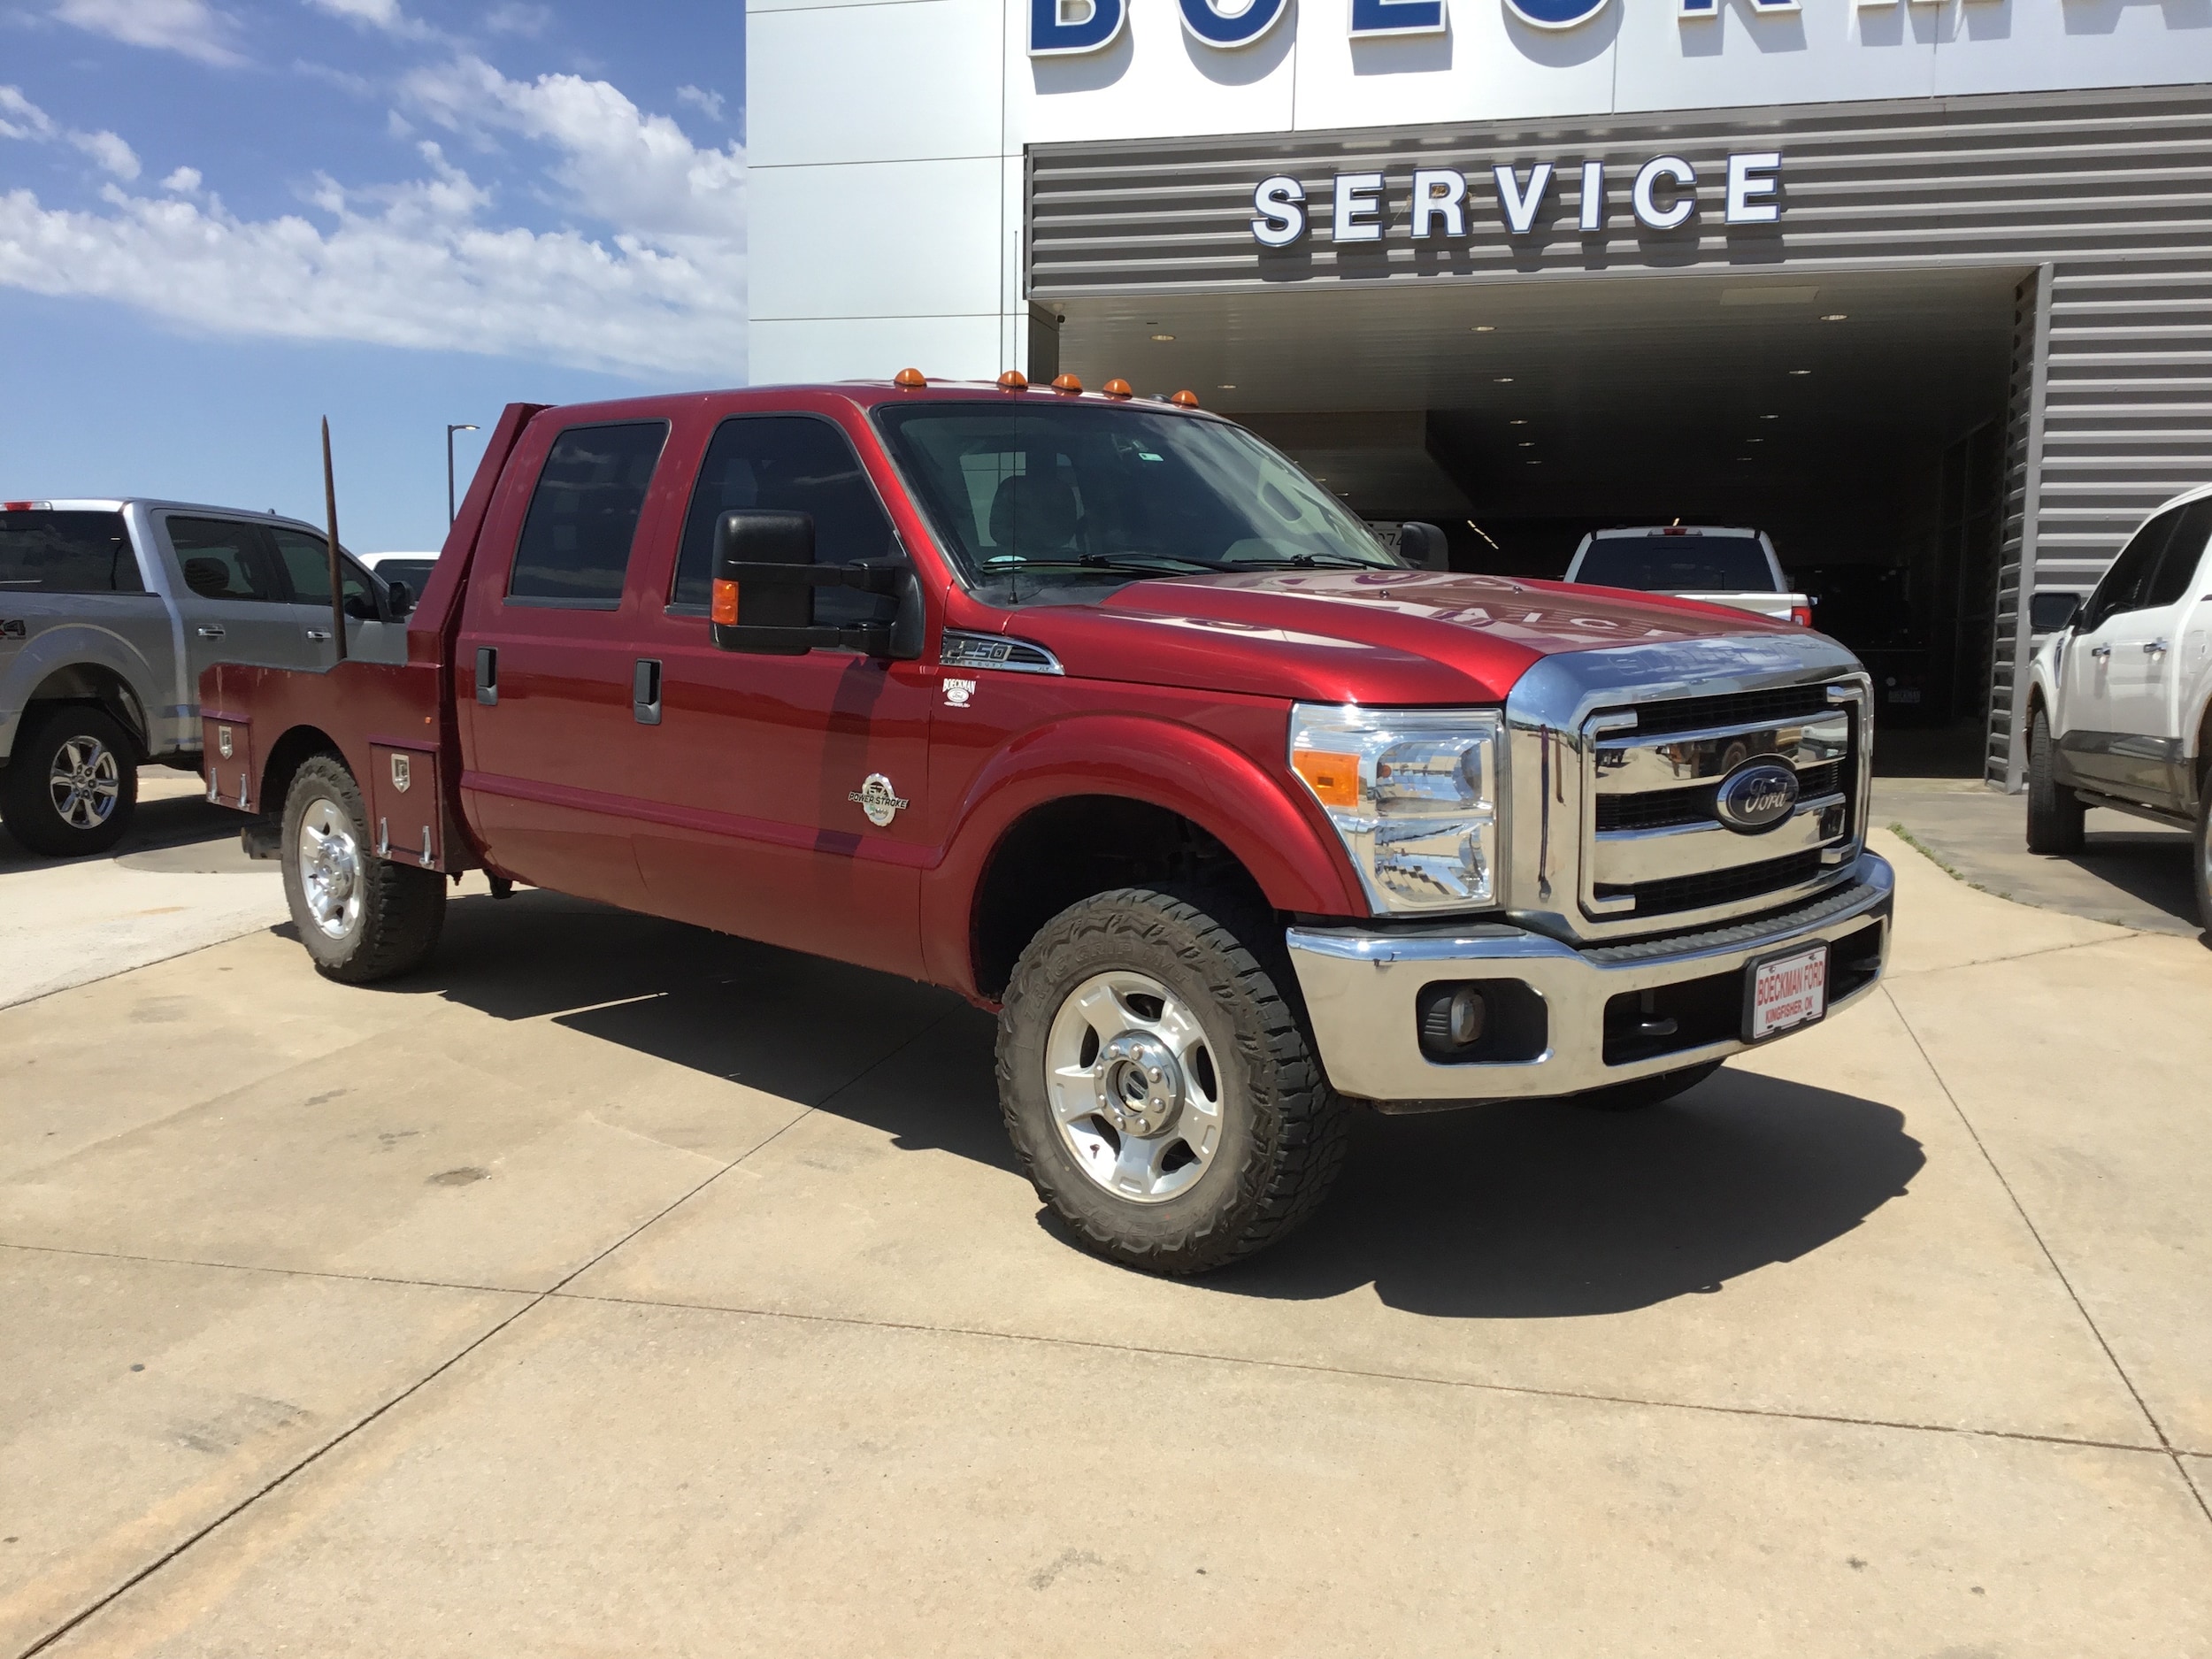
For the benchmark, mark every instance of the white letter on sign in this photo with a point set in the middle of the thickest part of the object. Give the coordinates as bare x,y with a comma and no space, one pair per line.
1281,221
1670,168
1438,191
1753,175
1520,209
1356,207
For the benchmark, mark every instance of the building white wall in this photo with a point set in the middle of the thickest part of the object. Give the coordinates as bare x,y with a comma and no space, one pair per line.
886,135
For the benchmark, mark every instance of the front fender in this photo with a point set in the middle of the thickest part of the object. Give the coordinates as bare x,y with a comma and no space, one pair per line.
75,645
1289,850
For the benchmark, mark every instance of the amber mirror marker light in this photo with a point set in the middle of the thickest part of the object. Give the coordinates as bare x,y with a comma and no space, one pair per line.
1185,400
1068,386
909,379
1013,380
1117,389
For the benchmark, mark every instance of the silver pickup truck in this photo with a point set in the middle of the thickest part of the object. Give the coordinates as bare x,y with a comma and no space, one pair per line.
109,609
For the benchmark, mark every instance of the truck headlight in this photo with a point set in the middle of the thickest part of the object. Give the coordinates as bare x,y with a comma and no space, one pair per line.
1413,793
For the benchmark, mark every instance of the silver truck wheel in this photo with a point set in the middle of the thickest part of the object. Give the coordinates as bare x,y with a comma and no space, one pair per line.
361,917
329,858
73,783
1133,1086
1158,1087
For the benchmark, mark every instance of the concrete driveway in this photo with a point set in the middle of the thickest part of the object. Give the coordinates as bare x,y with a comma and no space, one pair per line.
617,1288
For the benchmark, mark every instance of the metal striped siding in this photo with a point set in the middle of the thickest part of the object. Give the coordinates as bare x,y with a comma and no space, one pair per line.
2111,190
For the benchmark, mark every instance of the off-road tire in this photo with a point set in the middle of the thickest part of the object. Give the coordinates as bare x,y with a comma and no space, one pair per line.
402,911
26,801
1283,1129
2055,812
1639,1093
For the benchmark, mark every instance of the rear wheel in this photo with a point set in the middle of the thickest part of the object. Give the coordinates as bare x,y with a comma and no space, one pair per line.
72,784
1161,1092
2055,812
1639,1093
361,917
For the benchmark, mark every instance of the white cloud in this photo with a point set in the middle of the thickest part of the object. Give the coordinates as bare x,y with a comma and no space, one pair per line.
708,102
411,265
190,26
21,118
377,14
622,166
111,152
515,18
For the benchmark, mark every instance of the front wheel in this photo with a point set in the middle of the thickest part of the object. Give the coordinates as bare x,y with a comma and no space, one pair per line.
2204,851
361,917
71,785
2055,812
1160,1090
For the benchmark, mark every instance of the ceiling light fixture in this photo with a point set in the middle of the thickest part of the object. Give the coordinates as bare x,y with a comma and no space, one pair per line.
1770,416
1794,373
1227,385
1837,317
1518,420
1505,379
1485,328
1528,443
1164,336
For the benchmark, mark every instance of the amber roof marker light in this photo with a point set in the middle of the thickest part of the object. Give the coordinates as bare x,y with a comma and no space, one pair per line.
1185,400
1117,389
909,380
1013,380
1068,386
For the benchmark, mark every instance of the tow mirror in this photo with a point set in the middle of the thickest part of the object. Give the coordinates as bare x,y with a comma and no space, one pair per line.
764,580
1423,546
2047,613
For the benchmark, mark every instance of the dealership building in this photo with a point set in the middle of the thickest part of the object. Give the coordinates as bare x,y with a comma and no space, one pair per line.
1921,288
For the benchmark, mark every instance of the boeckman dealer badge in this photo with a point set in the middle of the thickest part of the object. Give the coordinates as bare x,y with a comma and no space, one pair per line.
874,797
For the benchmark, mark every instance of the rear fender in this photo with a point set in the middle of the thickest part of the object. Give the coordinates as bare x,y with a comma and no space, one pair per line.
79,662
1287,849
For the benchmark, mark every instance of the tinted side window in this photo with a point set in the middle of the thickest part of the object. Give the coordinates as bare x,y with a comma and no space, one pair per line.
2184,552
789,463
307,564
575,544
224,559
67,553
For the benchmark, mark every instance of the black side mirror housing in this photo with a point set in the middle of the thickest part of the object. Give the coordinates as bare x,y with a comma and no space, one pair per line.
400,596
764,580
1423,546
2047,613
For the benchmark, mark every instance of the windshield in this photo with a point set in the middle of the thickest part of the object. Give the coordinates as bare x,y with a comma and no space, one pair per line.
1678,564
1028,496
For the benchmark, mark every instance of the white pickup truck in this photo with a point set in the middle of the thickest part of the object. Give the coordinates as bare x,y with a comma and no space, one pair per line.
2120,701
1709,562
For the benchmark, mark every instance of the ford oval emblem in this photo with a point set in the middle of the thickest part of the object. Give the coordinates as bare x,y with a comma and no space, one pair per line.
1756,796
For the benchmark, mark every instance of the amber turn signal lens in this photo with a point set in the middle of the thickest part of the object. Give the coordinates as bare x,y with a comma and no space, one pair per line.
1333,778
1013,380
1185,400
909,379
723,612
1069,385
1117,389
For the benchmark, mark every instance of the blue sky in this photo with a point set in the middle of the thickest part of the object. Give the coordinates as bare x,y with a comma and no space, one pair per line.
220,220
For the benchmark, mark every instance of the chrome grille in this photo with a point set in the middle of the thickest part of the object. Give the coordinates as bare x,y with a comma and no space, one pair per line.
1654,842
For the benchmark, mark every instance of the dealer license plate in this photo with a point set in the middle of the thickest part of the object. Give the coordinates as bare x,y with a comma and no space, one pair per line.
1782,993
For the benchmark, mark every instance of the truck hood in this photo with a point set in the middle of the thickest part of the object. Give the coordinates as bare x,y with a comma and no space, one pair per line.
1384,637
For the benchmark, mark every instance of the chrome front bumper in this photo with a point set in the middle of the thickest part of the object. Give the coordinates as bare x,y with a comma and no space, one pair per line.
1362,988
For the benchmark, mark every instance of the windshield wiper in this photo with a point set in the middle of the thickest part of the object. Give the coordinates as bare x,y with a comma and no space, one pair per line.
1137,564
1305,562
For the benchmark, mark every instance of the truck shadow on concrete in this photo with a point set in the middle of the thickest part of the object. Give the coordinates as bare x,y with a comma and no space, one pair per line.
1498,1212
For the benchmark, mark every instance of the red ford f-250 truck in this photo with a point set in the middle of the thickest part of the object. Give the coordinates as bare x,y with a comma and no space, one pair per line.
1101,713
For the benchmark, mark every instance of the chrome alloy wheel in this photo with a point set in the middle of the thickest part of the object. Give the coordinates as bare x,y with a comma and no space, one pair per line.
1133,1086
85,781
330,867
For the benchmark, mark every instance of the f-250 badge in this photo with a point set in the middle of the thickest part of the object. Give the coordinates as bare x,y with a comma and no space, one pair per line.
874,797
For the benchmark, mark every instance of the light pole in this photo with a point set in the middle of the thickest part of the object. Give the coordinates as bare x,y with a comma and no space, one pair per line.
451,513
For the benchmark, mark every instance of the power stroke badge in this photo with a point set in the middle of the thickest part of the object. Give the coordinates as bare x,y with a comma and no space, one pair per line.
875,798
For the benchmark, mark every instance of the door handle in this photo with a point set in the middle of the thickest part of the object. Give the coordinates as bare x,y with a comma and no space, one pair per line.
645,691
2101,652
2154,648
487,675
211,634
318,634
